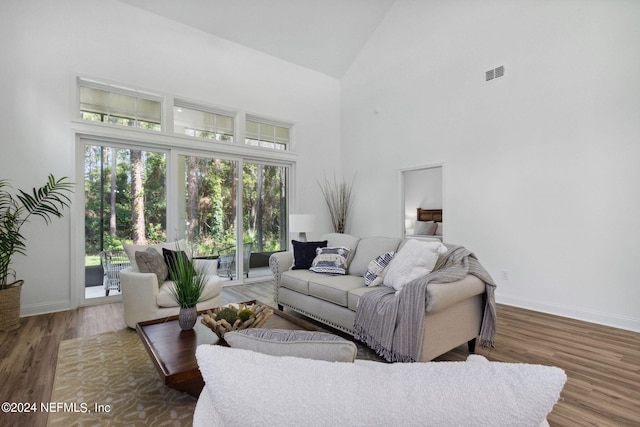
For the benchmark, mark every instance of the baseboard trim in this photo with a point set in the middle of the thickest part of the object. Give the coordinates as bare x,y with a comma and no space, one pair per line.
607,319
43,308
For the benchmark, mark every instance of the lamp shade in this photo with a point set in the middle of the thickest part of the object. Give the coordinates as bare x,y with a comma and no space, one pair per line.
301,223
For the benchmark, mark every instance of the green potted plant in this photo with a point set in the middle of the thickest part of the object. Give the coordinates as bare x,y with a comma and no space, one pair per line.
46,202
189,284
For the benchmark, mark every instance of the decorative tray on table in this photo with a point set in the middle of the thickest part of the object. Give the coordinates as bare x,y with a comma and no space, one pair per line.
233,317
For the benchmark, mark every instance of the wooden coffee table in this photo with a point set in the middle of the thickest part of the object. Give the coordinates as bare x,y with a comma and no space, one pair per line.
173,350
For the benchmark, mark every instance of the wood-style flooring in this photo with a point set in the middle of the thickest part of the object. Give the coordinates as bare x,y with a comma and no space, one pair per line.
602,363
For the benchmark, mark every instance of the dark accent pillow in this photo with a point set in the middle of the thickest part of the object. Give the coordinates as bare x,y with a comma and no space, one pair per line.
170,257
150,261
304,253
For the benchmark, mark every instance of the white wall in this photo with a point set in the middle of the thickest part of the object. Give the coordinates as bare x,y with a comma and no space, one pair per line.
45,44
541,170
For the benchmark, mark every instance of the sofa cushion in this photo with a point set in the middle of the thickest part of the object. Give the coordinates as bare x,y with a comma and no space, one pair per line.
334,288
212,288
331,260
368,249
304,253
297,280
283,342
208,267
150,261
414,259
353,297
340,239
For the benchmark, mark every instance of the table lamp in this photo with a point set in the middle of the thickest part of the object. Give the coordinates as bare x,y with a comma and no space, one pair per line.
301,224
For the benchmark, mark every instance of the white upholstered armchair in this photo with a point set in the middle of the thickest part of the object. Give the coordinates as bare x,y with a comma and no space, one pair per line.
146,299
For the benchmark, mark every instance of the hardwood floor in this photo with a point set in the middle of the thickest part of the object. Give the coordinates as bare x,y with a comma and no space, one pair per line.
602,363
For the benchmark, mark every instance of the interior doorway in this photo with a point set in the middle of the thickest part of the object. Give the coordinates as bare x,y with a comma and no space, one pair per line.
421,189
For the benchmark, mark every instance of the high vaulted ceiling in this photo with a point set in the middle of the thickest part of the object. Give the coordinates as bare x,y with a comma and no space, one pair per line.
323,35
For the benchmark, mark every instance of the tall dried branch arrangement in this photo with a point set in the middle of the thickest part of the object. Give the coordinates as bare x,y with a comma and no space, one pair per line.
338,198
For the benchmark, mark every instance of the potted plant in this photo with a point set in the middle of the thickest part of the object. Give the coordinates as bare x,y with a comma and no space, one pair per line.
188,288
16,210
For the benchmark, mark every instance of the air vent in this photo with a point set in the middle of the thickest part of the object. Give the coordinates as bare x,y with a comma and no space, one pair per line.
494,74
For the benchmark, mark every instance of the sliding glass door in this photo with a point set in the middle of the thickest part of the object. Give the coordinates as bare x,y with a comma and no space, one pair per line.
229,209
125,201
209,211
264,215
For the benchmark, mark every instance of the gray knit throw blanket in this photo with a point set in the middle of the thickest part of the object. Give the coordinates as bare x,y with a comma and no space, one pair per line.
391,323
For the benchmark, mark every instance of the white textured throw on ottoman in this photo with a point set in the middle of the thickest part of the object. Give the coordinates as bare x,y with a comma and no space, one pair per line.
256,389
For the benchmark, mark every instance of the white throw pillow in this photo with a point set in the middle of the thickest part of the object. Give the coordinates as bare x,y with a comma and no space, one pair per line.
426,228
415,259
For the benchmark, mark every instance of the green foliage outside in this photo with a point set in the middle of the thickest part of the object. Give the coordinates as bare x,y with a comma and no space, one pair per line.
210,199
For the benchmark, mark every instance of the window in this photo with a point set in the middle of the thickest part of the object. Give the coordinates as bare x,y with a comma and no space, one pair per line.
210,216
267,135
202,124
105,104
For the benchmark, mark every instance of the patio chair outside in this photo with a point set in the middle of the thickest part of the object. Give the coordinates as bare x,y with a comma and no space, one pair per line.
113,261
227,261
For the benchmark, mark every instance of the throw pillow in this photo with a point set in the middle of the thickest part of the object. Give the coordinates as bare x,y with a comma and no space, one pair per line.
377,269
131,250
304,253
331,260
170,259
150,261
438,231
424,228
415,259
282,342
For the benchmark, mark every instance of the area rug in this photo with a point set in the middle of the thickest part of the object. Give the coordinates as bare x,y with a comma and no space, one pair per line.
109,380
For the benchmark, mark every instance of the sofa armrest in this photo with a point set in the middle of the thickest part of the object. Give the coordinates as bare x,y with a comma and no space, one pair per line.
139,295
444,295
279,262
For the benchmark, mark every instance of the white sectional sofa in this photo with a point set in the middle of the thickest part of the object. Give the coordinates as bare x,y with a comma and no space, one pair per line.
454,311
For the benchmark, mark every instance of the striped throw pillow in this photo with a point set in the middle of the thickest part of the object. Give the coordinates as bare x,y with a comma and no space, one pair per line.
331,260
375,270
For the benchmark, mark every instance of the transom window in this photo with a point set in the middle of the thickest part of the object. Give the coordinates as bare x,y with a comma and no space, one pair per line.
120,107
202,124
267,135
